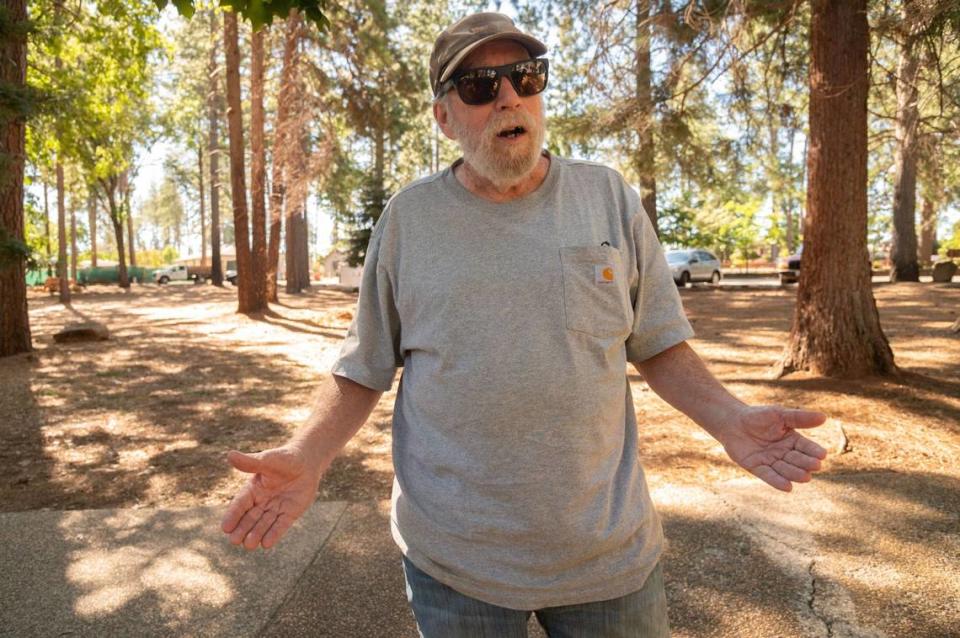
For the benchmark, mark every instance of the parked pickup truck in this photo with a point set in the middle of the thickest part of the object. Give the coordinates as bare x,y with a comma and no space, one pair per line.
196,274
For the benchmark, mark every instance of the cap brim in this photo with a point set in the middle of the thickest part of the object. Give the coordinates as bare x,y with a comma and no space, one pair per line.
531,44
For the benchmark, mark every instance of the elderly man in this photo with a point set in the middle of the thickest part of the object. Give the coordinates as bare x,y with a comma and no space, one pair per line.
513,288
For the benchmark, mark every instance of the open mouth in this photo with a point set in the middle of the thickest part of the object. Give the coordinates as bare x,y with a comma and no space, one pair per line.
516,131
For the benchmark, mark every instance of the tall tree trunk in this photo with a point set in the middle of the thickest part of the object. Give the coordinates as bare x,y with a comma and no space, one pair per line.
788,209
928,232
62,273
836,328
46,221
213,117
73,243
110,187
127,204
92,217
247,300
203,213
258,170
281,143
303,259
14,318
646,153
903,249
61,195
296,203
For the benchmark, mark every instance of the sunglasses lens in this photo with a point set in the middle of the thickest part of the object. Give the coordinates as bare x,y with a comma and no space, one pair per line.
529,78
478,88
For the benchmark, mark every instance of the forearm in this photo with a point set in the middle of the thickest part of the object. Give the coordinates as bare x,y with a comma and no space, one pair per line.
341,408
680,377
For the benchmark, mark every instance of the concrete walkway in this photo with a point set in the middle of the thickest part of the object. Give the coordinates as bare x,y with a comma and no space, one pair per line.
868,555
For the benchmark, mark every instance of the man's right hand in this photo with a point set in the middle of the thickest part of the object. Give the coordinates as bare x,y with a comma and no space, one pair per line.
281,489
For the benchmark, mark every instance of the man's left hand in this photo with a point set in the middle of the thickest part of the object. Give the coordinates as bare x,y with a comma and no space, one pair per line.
763,441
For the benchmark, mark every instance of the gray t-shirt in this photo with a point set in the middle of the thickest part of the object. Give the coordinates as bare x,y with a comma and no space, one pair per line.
514,434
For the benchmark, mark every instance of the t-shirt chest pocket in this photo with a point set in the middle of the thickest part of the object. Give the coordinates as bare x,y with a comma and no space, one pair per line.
595,299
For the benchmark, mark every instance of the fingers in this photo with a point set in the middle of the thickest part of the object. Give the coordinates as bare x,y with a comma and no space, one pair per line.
772,478
810,448
280,527
237,508
249,463
791,472
246,524
256,534
795,419
803,461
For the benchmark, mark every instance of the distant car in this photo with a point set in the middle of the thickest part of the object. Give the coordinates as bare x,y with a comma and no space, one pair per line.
694,264
789,268
231,276
196,274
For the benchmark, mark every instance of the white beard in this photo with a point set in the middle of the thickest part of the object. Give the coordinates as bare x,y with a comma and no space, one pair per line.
507,165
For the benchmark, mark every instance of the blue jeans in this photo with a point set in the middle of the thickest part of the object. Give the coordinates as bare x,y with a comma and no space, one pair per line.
442,612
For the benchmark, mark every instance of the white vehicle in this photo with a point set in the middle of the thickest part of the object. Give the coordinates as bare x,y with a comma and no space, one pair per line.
196,274
693,265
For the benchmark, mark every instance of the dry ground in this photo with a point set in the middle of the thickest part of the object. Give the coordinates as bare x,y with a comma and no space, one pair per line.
145,418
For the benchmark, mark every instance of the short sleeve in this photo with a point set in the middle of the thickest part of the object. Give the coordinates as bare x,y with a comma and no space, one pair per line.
659,321
370,353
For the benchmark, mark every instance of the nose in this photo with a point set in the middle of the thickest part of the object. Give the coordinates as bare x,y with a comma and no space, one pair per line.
507,97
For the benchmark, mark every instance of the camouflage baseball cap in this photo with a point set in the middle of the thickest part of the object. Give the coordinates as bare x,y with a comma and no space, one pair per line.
465,35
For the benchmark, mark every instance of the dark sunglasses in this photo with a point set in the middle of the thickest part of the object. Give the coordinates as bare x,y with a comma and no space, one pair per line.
481,85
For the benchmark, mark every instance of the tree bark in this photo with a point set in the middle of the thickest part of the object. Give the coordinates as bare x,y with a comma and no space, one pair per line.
203,215
296,206
46,221
92,219
282,138
110,186
73,244
128,213
836,328
14,318
646,153
788,209
62,273
247,301
258,170
213,116
903,249
928,232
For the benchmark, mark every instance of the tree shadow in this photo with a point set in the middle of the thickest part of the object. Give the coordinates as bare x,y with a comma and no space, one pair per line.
912,392
305,326
147,573
177,404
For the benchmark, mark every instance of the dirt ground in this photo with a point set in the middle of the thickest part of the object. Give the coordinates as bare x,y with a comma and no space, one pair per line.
868,549
145,418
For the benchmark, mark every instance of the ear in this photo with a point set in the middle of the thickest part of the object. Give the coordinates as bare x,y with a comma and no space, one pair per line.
442,115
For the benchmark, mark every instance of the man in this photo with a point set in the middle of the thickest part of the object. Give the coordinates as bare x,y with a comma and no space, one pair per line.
513,288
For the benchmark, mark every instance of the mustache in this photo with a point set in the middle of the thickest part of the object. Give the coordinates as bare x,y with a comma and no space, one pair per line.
503,121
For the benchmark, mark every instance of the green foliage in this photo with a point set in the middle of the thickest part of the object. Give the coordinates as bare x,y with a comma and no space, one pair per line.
162,213
258,12
372,200
951,243
14,251
679,227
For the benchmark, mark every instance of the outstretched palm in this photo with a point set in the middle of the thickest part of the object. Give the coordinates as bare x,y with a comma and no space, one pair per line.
281,489
764,442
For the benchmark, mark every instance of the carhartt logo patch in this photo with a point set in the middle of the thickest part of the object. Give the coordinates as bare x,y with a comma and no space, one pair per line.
603,274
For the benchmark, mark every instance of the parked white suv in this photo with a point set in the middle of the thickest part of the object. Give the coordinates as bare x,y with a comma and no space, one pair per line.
693,264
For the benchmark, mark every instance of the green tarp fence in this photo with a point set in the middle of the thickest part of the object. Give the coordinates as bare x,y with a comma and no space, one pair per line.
111,275
99,275
37,277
